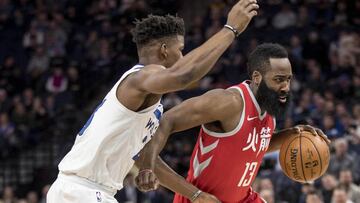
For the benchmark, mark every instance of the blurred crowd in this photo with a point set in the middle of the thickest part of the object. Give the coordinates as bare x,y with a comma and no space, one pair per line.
59,58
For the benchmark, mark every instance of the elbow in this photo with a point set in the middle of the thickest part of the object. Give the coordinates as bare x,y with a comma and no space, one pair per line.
167,124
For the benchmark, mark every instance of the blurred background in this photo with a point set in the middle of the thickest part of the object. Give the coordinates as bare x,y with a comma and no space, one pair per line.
58,58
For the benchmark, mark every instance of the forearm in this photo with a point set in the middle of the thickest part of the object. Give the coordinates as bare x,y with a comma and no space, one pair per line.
277,140
171,180
198,62
152,149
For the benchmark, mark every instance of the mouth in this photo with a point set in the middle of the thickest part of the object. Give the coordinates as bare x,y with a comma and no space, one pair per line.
283,99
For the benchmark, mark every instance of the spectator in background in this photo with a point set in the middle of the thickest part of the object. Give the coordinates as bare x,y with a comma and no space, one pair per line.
21,118
354,133
11,76
32,197
328,184
285,18
267,195
55,40
8,195
296,51
265,184
329,128
57,82
7,132
315,48
340,196
306,189
44,192
346,181
314,197
348,50
74,84
33,37
21,201
304,17
39,63
5,103
356,113
356,87
341,158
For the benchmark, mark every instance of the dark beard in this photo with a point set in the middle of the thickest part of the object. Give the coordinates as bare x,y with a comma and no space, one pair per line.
268,100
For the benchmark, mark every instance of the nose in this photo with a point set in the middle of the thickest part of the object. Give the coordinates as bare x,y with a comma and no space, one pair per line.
285,87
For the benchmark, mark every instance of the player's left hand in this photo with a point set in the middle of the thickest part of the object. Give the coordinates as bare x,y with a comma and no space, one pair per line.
146,180
314,131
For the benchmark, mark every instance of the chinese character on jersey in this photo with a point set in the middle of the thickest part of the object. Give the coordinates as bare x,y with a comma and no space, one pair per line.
264,139
252,141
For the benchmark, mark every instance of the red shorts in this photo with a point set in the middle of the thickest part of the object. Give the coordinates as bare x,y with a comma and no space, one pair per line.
252,198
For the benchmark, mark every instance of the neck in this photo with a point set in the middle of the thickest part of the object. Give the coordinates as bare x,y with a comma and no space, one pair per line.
254,89
148,60
147,57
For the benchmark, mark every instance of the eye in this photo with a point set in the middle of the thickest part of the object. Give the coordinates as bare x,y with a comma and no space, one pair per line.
279,80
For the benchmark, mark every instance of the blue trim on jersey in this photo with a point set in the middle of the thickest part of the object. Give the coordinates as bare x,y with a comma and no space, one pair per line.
136,157
158,114
90,119
145,138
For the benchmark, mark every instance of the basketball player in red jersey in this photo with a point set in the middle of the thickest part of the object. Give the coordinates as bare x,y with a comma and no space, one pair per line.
237,130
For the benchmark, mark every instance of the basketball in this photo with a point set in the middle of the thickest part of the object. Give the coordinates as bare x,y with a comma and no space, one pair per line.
304,157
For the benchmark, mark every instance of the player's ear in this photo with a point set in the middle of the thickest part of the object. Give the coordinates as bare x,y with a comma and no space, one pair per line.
256,77
163,51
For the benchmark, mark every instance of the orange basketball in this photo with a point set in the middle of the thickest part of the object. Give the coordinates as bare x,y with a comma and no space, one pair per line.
304,157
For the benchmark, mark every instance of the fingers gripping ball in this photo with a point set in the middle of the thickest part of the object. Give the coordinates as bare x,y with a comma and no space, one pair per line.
304,157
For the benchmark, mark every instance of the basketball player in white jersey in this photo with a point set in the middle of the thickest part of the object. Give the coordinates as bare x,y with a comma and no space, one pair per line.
108,145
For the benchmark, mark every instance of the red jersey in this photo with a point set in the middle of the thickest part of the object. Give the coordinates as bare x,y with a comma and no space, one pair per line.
226,164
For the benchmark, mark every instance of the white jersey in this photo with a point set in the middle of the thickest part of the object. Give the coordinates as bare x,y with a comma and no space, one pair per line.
107,145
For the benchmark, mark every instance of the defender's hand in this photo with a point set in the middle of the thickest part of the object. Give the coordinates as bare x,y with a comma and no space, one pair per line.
206,198
241,13
146,180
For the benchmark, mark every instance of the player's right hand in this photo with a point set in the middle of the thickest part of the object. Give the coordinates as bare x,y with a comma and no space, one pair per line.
206,198
241,13
146,180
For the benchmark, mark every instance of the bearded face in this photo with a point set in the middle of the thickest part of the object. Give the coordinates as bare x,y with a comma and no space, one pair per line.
273,93
273,102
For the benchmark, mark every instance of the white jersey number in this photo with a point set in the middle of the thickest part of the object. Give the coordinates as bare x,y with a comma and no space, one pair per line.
248,174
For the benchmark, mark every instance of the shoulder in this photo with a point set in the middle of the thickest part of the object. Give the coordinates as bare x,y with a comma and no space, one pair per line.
227,100
230,95
152,68
145,72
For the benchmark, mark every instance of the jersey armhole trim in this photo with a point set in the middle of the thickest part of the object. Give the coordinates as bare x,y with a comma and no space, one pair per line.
237,128
134,69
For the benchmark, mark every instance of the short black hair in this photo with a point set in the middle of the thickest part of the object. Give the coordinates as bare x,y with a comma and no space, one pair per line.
156,27
259,59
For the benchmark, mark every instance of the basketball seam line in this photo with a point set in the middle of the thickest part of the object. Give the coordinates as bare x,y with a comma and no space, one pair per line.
286,155
302,164
318,154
